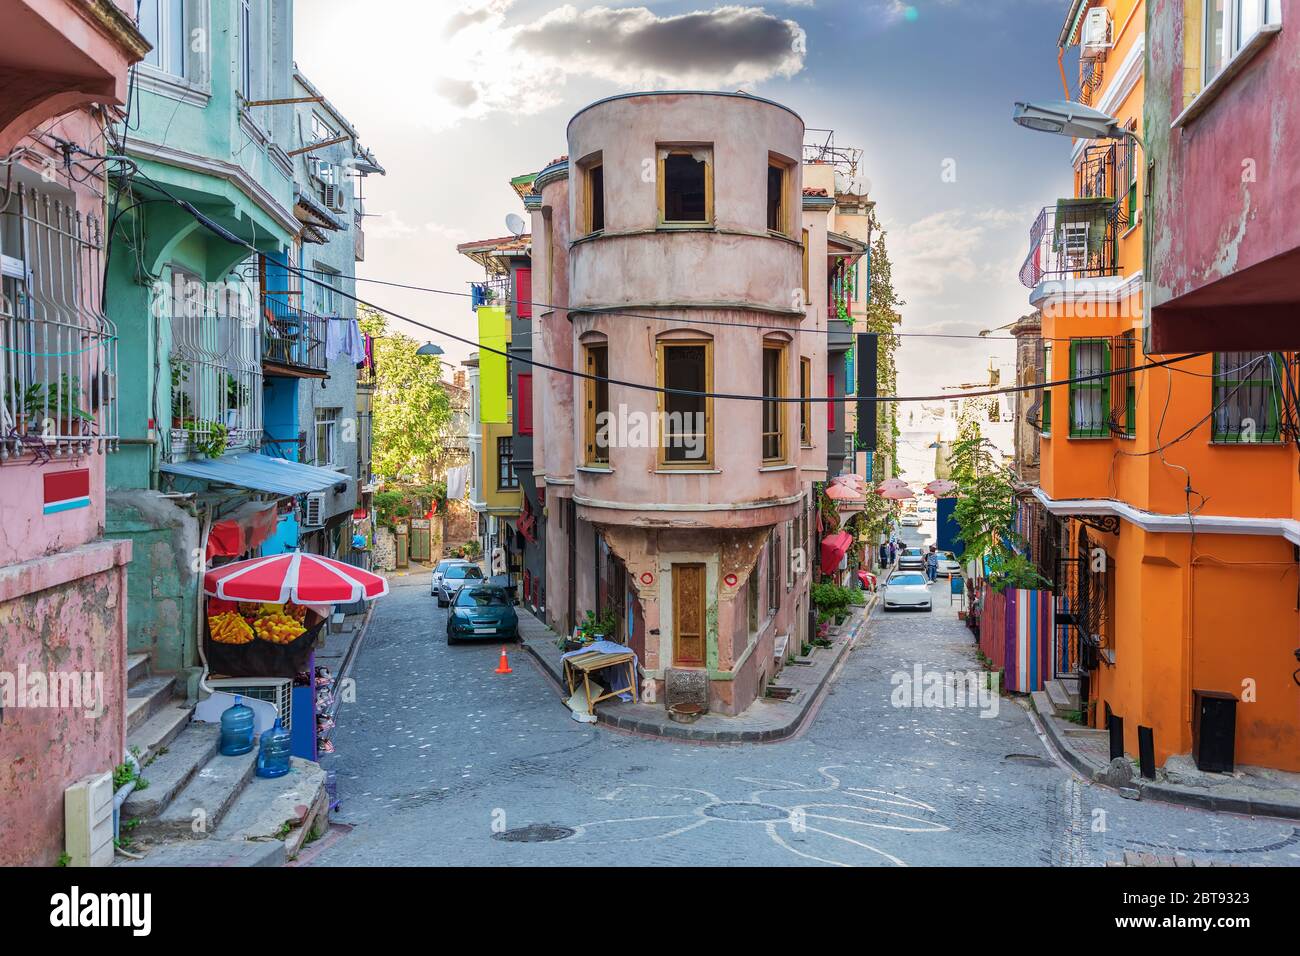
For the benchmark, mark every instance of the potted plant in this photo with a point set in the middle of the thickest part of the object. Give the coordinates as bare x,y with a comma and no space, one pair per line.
236,399
32,408
64,405
598,627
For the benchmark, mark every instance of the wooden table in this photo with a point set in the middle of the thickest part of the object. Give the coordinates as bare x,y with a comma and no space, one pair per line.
580,667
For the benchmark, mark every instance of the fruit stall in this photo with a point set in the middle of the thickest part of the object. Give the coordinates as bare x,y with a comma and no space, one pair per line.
265,618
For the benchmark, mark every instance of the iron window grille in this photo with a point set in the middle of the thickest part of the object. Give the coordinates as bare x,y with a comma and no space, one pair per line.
215,368
507,480
1089,400
1076,238
58,351
1247,393
1123,385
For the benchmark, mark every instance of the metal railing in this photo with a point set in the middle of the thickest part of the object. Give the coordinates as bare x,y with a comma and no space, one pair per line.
216,375
292,337
1075,238
58,352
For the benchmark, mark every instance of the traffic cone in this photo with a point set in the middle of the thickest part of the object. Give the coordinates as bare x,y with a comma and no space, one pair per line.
504,666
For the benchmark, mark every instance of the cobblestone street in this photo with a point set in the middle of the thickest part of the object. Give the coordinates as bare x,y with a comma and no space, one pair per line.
439,755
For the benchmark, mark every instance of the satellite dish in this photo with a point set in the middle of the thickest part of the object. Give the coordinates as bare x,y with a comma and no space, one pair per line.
515,223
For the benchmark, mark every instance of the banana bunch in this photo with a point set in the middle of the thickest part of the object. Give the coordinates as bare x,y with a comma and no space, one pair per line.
229,628
278,628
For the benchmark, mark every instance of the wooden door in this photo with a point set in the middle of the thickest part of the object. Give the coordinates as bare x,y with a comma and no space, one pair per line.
689,635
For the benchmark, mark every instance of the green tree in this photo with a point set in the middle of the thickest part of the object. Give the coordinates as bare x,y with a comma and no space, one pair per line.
411,412
986,500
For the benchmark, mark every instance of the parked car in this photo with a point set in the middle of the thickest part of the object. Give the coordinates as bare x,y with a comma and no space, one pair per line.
911,521
948,564
911,559
453,579
907,589
482,612
438,572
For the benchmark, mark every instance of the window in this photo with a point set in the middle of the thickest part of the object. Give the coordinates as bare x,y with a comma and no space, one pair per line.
325,294
524,413
777,213
1229,26
751,599
1089,400
327,429
805,407
246,68
596,402
321,129
593,196
830,406
1047,392
163,24
507,480
773,571
686,185
1246,388
1123,385
686,432
805,270
773,411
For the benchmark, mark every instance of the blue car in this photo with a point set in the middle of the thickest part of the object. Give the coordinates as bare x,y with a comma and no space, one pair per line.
482,612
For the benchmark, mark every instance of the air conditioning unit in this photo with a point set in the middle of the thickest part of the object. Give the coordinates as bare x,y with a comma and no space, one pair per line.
333,198
1074,244
1094,40
276,691
314,512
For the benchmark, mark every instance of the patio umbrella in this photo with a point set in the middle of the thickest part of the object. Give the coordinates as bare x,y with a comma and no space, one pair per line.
940,487
895,492
301,578
840,492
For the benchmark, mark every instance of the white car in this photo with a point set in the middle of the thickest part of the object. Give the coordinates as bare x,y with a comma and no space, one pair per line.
911,521
907,589
448,578
948,564
911,558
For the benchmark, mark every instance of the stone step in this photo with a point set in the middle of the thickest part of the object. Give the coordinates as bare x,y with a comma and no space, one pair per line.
197,810
146,698
207,853
170,772
297,801
137,668
1061,697
156,734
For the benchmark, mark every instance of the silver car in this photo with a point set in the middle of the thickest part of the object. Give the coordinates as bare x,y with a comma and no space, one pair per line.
948,564
911,559
450,576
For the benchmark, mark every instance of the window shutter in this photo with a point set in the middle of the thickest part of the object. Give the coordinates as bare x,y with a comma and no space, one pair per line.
524,400
830,406
524,292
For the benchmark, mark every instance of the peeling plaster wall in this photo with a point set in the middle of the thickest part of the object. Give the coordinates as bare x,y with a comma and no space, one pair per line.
162,582
55,616
1225,181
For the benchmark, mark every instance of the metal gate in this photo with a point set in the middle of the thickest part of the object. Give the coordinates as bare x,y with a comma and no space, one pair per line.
1071,611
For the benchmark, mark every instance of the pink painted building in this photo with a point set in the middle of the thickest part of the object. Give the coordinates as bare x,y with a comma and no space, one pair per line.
63,73
673,246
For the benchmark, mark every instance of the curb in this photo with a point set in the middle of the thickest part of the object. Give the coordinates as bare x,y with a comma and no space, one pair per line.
350,657
672,731
1164,793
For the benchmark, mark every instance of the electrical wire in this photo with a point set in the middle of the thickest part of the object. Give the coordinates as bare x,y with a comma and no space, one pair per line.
641,386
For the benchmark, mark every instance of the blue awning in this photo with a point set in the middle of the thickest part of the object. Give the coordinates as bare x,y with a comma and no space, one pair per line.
258,472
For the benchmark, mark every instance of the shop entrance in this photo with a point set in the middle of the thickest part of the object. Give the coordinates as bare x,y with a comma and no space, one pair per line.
688,615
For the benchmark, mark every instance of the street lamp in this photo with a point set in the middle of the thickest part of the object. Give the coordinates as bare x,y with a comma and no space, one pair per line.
429,349
1070,119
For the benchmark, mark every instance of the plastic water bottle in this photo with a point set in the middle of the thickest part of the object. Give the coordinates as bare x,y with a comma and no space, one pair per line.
273,752
237,729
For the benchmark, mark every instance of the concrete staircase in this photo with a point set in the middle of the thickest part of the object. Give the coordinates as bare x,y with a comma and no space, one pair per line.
1064,694
201,808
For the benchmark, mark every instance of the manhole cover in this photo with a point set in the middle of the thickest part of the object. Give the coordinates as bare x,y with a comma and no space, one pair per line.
1032,759
746,812
535,833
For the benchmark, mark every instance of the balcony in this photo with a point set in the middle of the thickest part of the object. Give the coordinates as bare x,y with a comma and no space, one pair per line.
216,384
58,352
293,341
1075,239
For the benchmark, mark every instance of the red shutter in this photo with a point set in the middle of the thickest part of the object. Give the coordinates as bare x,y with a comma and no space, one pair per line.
524,400
524,292
830,406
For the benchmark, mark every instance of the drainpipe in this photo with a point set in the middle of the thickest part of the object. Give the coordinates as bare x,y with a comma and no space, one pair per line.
120,796
205,530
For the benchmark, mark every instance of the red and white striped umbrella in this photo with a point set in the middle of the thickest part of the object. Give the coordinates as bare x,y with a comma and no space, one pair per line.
301,578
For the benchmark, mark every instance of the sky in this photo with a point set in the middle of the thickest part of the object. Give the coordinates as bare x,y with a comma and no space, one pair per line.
456,98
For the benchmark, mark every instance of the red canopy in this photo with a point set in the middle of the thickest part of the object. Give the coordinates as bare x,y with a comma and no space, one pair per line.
297,577
834,548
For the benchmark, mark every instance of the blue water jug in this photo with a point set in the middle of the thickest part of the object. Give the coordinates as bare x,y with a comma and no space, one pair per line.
273,752
237,729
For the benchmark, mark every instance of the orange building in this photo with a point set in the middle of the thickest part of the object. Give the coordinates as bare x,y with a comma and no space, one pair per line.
1166,498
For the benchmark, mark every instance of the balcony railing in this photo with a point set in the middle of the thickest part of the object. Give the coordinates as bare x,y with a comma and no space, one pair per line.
58,353
1076,238
291,337
216,383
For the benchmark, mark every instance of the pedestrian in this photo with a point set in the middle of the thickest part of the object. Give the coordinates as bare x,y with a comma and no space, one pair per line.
893,553
932,564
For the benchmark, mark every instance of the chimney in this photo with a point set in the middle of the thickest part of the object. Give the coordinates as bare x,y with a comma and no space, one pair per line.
458,379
